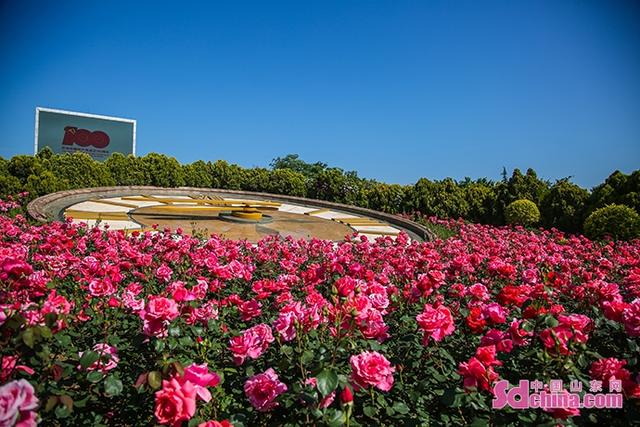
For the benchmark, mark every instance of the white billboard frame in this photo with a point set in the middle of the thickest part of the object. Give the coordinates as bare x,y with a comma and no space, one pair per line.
79,114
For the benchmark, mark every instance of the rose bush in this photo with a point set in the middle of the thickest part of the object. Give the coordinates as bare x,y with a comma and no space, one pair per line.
104,328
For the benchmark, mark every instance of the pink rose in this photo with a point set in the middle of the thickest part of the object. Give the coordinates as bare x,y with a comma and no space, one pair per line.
285,324
249,309
201,378
499,339
252,343
107,361
223,423
101,287
371,368
163,273
495,313
17,404
435,322
518,335
161,308
609,369
631,318
9,365
263,389
157,314
175,402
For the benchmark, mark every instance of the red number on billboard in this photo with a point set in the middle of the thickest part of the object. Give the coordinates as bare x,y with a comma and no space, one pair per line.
85,138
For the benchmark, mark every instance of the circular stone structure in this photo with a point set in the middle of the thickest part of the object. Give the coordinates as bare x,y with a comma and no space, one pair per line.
227,213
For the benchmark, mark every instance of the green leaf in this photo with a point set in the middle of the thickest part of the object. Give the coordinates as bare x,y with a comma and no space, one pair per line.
112,386
81,403
88,358
28,337
370,411
307,357
154,379
327,381
551,322
401,408
62,412
336,419
94,376
480,422
286,350
45,332
68,402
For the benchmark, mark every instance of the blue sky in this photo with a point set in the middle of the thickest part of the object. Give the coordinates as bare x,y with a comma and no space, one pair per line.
395,90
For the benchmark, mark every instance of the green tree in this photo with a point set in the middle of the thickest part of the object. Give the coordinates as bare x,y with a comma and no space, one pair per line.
125,169
293,162
43,183
386,197
444,199
23,166
161,171
618,188
564,205
79,170
286,181
9,184
481,199
518,187
226,176
254,179
198,174
337,186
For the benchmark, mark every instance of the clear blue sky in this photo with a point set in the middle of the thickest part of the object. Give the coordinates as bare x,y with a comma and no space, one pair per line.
395,90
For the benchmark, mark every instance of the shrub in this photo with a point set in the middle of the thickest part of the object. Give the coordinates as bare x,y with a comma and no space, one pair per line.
254,179
125,170
522,212
481,199
45,183
617,221
80,170
444,199
198,174
226,176
286,181
563,207
161,171
386,197
337,186
618,188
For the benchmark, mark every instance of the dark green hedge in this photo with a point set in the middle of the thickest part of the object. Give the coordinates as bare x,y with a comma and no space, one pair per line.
562,205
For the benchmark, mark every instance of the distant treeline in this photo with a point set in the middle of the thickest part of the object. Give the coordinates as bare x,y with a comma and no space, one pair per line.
562,204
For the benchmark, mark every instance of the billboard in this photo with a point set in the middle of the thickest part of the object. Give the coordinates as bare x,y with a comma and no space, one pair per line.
97,136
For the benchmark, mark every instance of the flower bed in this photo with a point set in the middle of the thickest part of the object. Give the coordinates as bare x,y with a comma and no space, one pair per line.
101,328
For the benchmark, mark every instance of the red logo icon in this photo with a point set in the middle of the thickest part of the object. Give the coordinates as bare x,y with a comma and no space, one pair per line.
85,138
